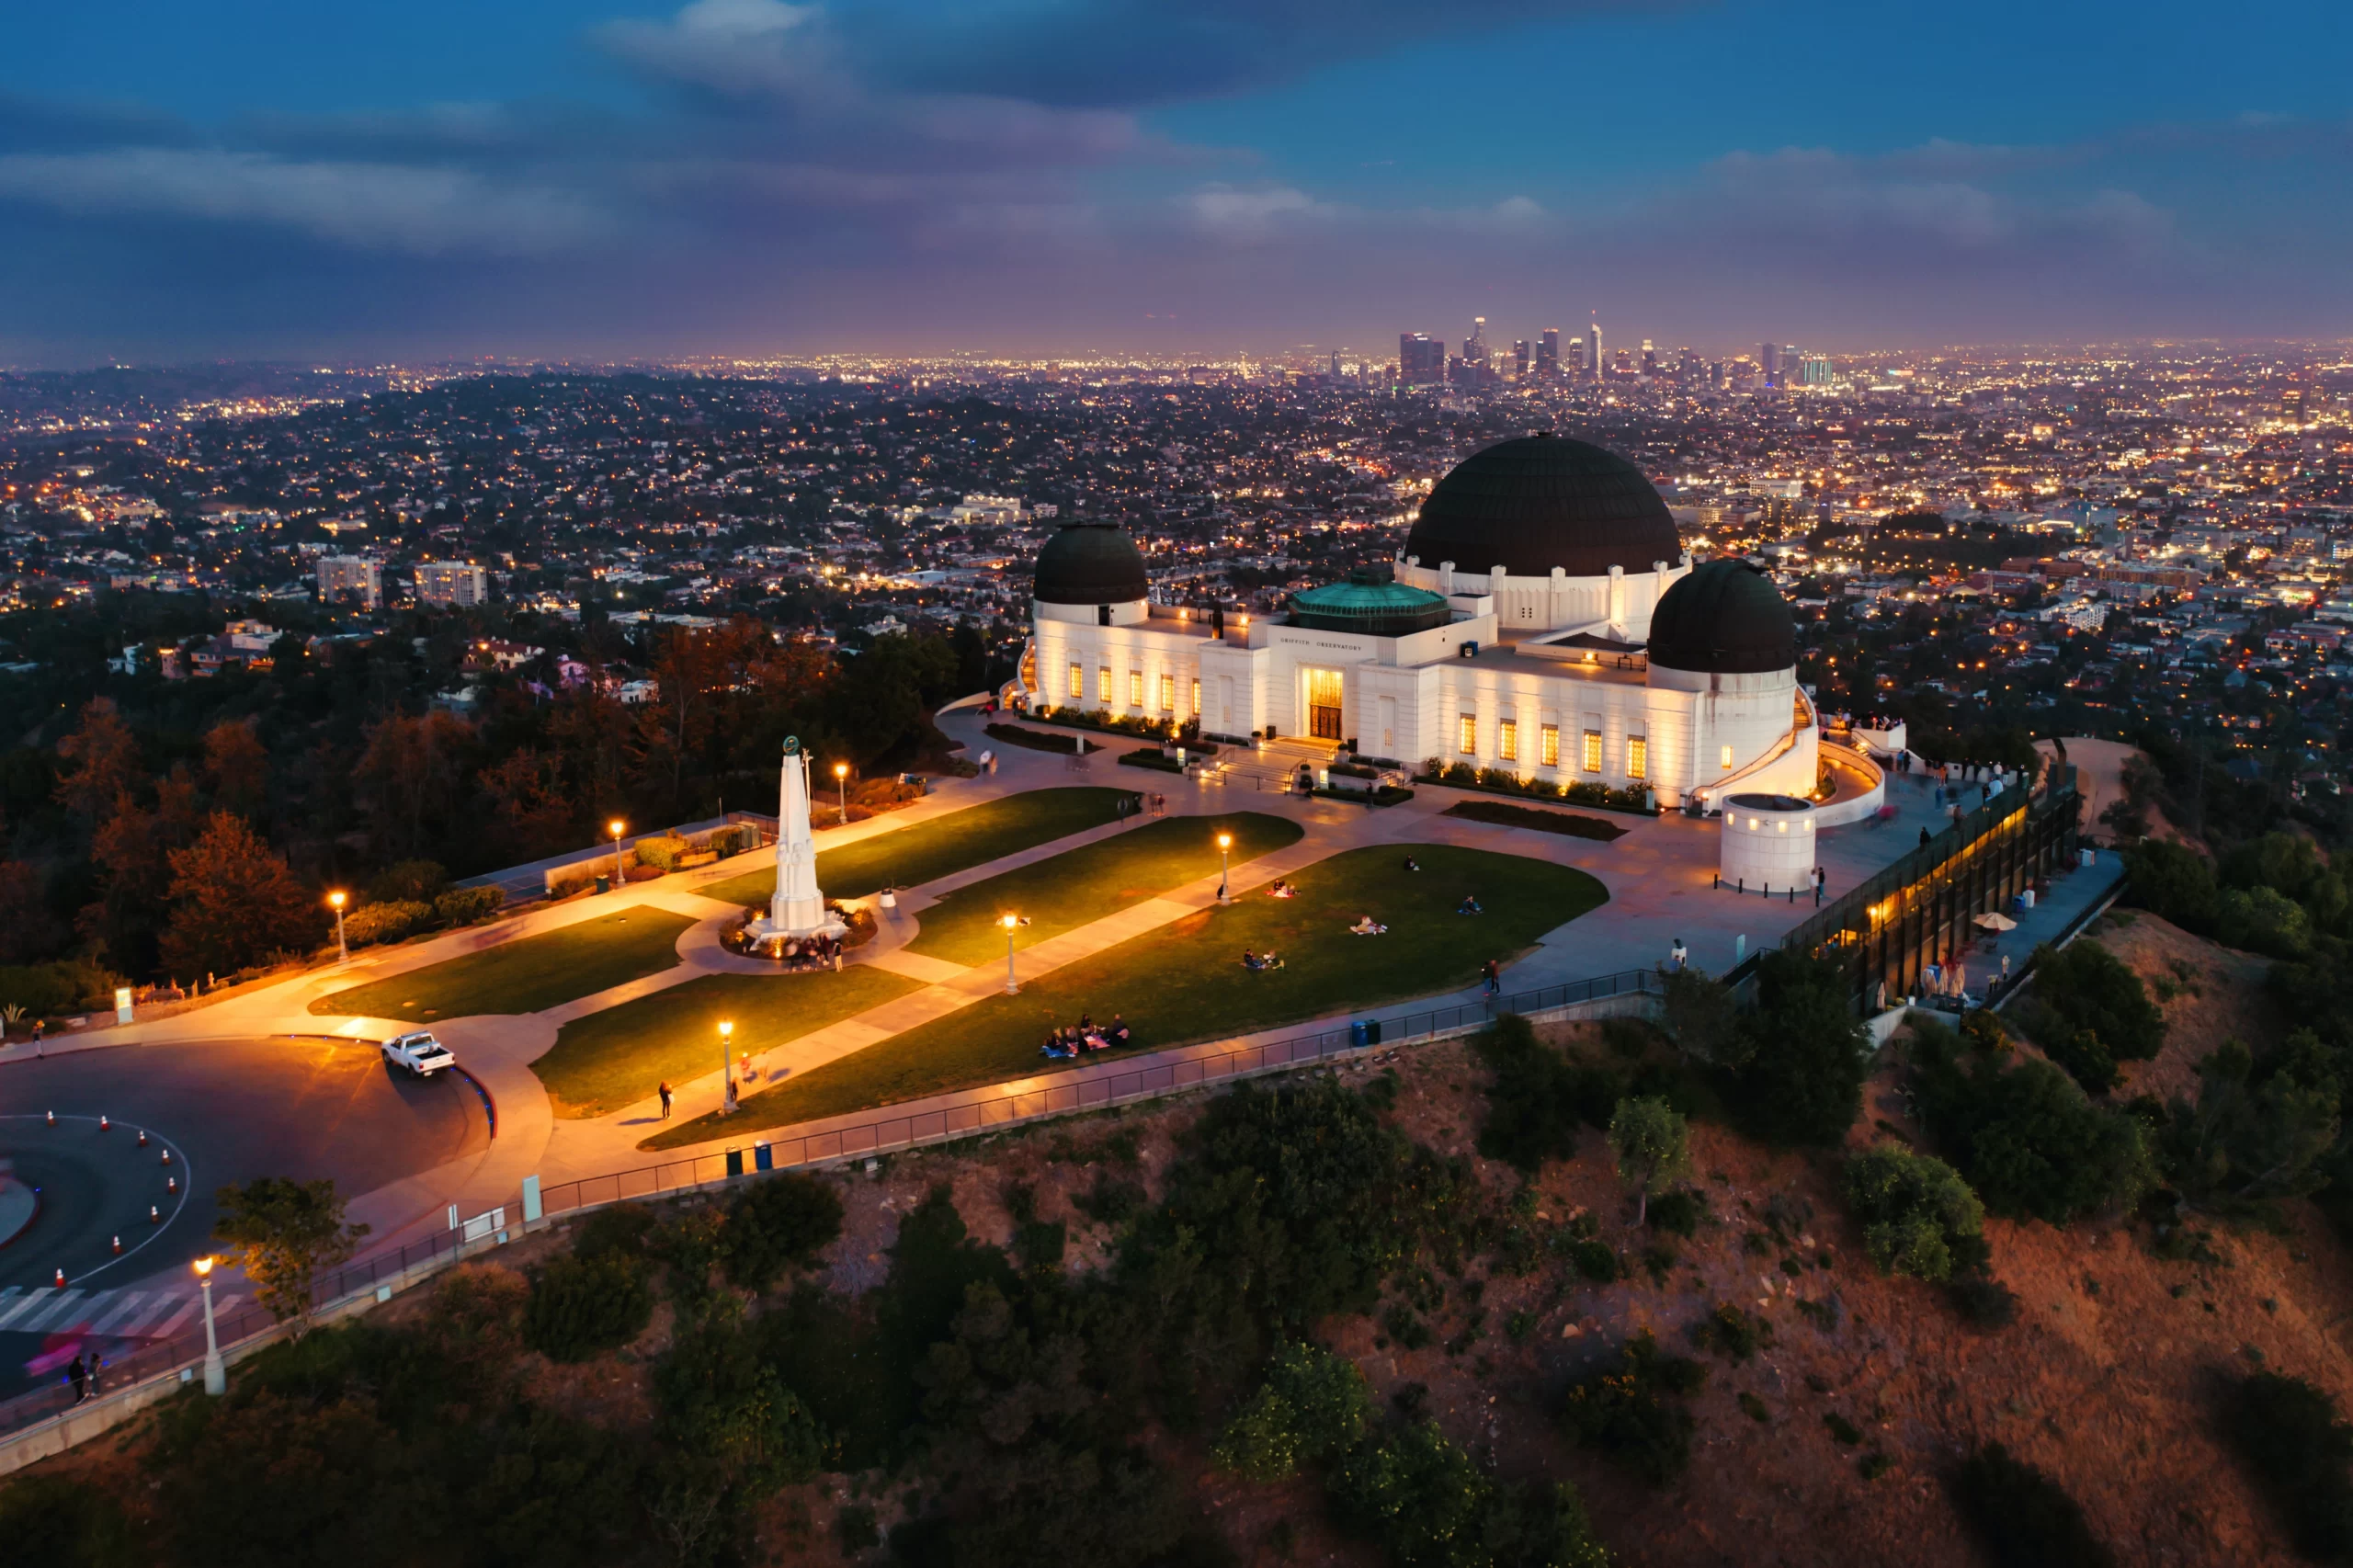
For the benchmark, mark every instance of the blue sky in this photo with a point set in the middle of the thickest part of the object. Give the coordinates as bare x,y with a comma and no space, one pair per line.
442,178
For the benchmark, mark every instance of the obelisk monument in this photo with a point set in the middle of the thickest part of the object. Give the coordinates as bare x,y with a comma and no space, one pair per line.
799,907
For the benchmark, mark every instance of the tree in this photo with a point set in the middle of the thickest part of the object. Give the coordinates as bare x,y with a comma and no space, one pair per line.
27,932
536,815
1699,1016
2091,990
1531,1106
777,1223
408,777
101,758
1919,1218
1314,1406
236,768
284,1234
1652,1145
1803,1080
2251,1138
233,903
2287,1433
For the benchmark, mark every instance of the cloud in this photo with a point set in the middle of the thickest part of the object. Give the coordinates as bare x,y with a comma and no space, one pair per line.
424,211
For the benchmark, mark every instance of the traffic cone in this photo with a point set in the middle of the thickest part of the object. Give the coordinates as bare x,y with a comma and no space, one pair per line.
154,1215
118,1244
61,1280
142,1138
171,1183
53,1119
103,1125
167,1156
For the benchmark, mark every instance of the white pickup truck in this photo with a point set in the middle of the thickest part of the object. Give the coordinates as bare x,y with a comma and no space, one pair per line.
419,1052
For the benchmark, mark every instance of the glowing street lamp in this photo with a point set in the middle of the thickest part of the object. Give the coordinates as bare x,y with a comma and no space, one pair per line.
726,1070
216,1373
841,782
335,901
1224,850
1011,923
617,827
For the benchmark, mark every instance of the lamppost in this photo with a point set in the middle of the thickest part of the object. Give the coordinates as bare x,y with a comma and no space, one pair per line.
841,782
726,1069
1224,852
216,1374
1010,923
335,901
617,827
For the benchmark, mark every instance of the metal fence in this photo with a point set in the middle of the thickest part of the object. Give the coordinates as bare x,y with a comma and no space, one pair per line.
184,1350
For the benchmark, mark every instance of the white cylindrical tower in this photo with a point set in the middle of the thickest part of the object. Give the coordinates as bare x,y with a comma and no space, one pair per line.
1767,844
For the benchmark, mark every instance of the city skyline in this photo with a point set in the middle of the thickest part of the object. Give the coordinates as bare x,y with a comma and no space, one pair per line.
745,177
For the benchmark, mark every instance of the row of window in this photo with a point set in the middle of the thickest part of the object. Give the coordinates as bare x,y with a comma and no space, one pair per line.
1548,745
1075,688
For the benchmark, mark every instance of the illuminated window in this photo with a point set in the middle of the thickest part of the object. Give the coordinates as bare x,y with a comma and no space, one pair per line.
1638,757
1507,740
1135,689
1196,696
1168,694
1727,758
1593,751
1466,736
1077,683
1103,686
1548,738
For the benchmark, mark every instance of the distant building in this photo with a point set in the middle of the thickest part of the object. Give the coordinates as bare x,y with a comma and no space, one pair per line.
1768,361
1547,353
1593,352
458,583
351,574
1421,358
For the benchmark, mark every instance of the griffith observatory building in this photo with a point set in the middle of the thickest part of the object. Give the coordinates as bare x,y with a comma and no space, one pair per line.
1543,618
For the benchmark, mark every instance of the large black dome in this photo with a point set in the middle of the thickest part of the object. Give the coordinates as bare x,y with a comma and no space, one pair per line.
1724,618
1540,502
1090,563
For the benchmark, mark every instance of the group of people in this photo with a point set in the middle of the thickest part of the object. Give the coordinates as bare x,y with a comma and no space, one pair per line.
1367,926
1069,1042
1281,889
812,953
1255,962
1470,905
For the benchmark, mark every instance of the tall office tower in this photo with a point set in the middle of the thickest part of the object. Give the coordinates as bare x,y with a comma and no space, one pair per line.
1593,352
1577,359
1335,364
1474,347
1650,360
1519,356
1768,362
1548,352
2292,404
1421,358
1814,370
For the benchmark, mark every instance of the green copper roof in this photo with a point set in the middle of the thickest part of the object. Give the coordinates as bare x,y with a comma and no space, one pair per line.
1370,605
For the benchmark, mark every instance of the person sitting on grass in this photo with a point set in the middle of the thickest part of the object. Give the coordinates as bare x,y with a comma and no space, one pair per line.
1412,864
1470,905
1117,1033
1367,926
1281,889
1251,960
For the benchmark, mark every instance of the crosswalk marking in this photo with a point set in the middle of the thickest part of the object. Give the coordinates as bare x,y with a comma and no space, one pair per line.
129,1304
121,1313
60,1303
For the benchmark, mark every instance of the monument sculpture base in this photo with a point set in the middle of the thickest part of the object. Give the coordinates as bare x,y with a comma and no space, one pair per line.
764,934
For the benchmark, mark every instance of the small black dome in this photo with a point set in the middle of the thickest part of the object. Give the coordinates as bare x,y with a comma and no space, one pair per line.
1544,501
1725,617
1090,563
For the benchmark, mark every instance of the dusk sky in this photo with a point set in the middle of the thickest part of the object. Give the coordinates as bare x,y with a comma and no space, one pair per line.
460,178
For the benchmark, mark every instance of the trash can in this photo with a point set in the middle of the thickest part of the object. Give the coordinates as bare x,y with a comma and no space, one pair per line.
1371,1027
762,1158
604,884
1359,1037
734,1162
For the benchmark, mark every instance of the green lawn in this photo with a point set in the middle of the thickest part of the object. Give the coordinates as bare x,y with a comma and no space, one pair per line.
909,857
526,975
616,1057
1067,891
1184,981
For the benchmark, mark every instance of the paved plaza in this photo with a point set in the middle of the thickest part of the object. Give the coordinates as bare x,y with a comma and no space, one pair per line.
1659,877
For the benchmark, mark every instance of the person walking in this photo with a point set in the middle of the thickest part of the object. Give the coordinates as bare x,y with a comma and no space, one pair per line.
1494,976
78,1373
1821,884
665,1092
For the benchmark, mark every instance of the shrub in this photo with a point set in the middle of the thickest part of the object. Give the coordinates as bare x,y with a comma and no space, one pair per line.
1918,1217
1634,1412
2263,920
62,1521
1733,1332
2083,1056
623,1228
408,881
389,922
576,879
1802,1079
1983,1301
1314,1406
65,986
1532,1104
2255,1134
2027,1140
2173,881
663,854
2092,990
778,1222
2023,1516
464,906
581,1306
2288,1436
1679,1213
1428,1505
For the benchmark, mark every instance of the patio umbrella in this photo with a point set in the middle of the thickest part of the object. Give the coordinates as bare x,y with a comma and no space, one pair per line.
1995,922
